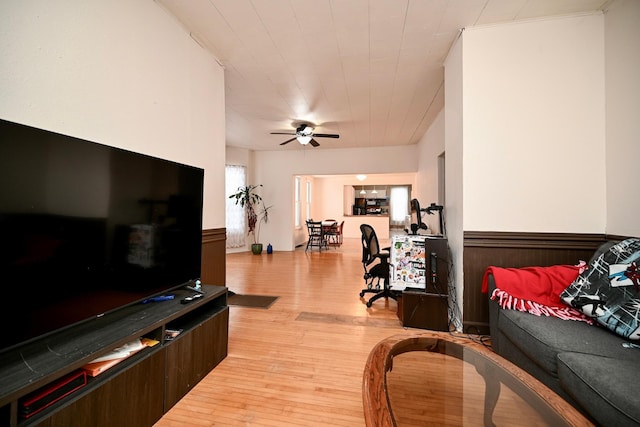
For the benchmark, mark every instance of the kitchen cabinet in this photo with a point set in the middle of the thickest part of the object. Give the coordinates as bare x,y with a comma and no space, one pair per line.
366,206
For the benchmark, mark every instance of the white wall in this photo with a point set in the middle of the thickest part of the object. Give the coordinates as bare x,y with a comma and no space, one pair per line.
453,208
430,147
538,138
534,126
622,70
120,73
329,200
276,169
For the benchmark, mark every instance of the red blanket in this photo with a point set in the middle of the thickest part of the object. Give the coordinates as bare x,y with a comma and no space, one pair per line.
535,289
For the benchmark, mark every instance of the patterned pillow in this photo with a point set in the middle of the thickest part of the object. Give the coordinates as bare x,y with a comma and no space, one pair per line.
609,289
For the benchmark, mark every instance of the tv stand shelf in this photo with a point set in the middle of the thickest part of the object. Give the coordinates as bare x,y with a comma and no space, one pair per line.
204,324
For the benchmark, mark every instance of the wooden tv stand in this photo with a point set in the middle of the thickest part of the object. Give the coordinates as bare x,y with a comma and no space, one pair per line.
136,391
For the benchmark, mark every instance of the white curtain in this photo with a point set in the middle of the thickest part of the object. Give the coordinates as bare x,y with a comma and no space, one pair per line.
235,177
399,201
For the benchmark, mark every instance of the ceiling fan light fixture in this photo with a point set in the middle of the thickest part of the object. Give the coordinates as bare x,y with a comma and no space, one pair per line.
303,139
305,136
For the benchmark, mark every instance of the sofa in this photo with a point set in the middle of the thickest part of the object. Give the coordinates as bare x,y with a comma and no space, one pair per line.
590,366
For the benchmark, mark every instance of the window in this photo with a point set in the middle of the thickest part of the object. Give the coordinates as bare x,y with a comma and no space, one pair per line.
235,177
399,201
298,201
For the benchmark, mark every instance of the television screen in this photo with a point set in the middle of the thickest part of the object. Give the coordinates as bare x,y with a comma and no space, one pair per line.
86,228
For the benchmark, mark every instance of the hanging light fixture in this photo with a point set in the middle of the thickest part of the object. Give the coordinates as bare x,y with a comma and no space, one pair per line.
304,134
363,191
303,139
374,190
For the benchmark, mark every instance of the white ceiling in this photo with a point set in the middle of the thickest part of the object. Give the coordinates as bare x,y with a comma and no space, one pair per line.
369,70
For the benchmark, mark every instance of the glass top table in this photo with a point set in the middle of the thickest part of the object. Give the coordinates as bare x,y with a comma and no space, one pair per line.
438,378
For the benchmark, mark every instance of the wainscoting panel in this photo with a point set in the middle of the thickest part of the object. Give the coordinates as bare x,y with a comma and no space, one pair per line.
214,260
503,249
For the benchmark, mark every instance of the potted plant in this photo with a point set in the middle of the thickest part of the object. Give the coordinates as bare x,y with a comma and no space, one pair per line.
257,212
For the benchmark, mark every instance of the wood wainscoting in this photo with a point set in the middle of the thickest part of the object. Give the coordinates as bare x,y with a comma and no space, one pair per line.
506,249
214,259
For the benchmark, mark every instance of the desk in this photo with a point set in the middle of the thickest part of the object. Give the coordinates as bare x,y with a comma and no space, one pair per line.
419,262
420,272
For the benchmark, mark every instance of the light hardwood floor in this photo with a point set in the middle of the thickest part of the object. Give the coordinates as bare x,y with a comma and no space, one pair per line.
300,362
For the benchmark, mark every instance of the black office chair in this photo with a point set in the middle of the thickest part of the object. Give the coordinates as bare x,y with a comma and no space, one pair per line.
375,272
416,218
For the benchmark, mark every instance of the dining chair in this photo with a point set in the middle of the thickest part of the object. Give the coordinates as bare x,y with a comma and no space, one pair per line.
316,236
339,228
331,231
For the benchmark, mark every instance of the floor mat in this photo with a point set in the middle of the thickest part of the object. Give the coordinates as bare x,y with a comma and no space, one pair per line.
254,301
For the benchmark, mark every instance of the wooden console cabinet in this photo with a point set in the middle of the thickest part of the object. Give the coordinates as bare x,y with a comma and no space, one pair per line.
136,391
423,310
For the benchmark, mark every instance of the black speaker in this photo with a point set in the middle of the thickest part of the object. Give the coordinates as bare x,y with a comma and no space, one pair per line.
437,268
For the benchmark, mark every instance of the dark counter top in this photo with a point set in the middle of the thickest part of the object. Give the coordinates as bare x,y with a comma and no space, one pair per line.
377,215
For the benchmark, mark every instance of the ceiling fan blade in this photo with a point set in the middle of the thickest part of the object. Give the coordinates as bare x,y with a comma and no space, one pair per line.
326,135
282,133
288,141
314,142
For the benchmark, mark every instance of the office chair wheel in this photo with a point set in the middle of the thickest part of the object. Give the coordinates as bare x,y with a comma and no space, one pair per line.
361,294
369,303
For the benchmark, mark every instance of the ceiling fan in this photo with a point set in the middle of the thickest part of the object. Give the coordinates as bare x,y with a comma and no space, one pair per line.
304,134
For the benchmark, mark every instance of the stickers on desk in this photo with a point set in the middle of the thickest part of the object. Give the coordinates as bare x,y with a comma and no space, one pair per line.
408,258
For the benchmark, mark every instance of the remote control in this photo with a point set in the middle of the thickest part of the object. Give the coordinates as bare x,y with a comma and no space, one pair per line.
158,299
190,298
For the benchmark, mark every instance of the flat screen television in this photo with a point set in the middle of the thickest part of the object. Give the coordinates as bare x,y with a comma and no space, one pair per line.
86,229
